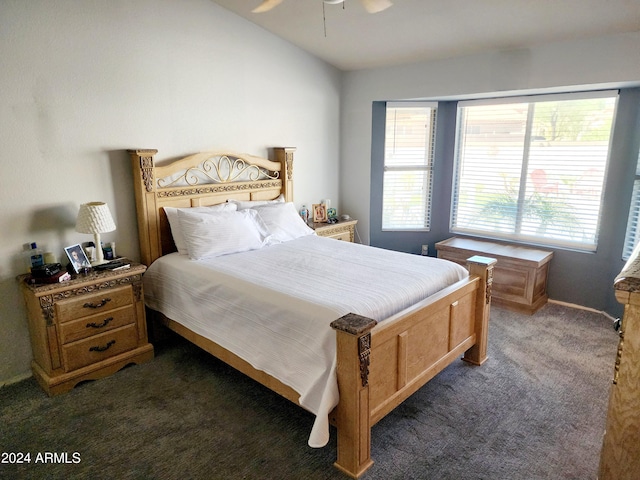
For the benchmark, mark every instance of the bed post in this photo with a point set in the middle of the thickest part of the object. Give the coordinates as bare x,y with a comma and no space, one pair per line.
353,416
284,155
482,267
144,187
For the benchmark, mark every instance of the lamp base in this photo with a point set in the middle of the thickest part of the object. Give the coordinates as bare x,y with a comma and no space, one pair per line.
99,253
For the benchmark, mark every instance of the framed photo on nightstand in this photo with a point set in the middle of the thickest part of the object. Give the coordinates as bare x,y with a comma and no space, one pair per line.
319,213
77,257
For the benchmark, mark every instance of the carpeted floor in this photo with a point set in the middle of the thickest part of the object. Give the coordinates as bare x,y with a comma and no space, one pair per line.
535,410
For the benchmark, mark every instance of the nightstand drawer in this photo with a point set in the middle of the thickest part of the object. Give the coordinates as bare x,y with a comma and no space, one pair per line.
95,324
343,230
99,347
99,302
346,236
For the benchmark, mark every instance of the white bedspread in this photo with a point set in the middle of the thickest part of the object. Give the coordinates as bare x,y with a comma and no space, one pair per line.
272,307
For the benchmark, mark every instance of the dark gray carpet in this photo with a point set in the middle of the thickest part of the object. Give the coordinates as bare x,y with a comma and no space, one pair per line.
535,410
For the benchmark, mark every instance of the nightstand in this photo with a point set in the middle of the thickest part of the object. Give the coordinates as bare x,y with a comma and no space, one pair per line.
343,230
86,328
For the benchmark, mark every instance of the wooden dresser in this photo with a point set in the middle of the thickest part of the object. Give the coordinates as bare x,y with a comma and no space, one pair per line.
343,230
620,457
86,328
519,277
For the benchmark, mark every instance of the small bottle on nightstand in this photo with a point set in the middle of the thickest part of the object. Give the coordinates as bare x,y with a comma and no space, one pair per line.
304,213
36,258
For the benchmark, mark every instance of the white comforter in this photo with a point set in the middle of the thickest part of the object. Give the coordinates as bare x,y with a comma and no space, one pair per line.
272,307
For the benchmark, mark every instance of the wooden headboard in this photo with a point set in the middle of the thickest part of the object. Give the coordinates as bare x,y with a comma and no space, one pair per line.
203,179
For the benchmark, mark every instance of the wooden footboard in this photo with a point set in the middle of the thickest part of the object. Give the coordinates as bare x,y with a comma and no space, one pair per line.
381,365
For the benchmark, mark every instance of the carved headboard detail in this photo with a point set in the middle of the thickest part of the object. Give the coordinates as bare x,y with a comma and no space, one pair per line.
203,179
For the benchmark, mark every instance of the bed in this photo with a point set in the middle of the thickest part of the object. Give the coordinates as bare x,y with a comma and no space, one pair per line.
372,353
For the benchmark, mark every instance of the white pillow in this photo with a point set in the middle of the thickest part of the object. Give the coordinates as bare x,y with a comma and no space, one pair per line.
283,222
244,204
176,229
222,233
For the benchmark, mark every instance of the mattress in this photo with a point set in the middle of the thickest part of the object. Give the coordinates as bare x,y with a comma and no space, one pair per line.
272,307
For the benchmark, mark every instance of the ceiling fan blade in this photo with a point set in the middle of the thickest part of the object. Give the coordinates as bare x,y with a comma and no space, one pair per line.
375,6
266,6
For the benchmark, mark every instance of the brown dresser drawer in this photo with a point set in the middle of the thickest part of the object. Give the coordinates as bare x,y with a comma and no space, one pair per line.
99,347
95,324
85,305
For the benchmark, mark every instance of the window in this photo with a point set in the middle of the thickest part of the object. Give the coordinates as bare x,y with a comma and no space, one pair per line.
408,166
533,169
633,230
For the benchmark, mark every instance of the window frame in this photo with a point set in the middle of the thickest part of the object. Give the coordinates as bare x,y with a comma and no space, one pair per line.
517,235
427,168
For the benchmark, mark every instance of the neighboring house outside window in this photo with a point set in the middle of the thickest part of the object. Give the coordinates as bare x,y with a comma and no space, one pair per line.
532,169
408,165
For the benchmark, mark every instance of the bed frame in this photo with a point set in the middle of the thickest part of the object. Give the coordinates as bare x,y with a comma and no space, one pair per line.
379,365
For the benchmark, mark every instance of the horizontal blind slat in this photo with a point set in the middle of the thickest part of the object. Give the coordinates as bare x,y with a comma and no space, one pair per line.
633,231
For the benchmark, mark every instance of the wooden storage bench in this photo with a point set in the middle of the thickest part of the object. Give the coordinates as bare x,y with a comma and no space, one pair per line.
520,276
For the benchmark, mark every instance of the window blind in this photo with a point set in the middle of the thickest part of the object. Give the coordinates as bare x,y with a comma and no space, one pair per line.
408,166
633,231
533,169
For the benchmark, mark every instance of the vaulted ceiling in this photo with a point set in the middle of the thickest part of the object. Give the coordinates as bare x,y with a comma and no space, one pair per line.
346,36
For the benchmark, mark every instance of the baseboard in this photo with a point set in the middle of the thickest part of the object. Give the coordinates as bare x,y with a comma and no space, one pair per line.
580,307
16,379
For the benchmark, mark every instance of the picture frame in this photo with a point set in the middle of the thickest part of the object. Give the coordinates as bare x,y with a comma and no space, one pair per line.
78,259
319,213
332,215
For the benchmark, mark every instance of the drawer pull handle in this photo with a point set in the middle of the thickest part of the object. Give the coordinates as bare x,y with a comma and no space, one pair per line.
102,349
100,325
102,303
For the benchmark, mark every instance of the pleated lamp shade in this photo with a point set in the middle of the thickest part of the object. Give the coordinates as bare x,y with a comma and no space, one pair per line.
95,218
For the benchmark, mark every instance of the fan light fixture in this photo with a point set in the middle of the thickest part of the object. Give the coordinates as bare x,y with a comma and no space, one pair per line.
371,6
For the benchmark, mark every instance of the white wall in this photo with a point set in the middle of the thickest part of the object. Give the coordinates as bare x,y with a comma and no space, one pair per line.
82,81
613,59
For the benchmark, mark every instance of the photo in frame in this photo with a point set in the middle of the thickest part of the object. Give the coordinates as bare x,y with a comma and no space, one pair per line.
319,212
77,257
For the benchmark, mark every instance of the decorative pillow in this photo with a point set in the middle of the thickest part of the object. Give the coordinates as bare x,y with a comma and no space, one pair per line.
176,228
222,233
283,222
244,204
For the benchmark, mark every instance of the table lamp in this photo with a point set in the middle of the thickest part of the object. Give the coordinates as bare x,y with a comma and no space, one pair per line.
95,218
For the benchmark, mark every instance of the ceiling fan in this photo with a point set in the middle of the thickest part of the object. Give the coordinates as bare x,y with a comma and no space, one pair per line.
371,6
